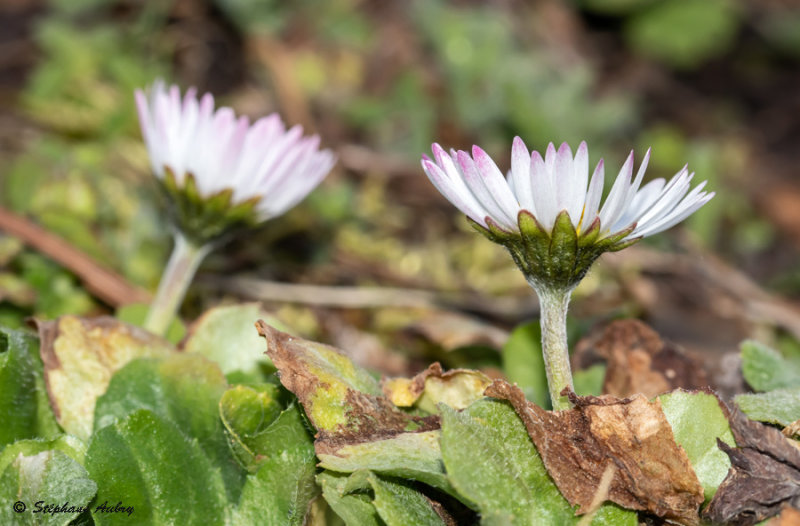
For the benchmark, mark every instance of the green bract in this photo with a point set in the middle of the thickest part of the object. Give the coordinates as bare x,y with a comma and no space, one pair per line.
559,258
206,219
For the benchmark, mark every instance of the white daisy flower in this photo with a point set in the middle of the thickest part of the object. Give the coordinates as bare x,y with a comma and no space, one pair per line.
220,174
546,187
263,163
547,213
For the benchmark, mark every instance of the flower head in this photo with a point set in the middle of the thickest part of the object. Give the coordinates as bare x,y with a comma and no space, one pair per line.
547,210
220,170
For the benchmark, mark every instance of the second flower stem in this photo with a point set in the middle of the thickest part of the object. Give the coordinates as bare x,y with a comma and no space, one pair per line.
183,263
553,303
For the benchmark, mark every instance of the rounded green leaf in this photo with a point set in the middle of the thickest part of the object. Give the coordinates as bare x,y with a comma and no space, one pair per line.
41,479
492,462
184,389
282,489
145,462
24,408
781,406
697,421
766,369
355,509
228,336
246,412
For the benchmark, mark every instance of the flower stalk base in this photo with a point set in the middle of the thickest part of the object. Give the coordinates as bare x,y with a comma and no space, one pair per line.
181,268
554,302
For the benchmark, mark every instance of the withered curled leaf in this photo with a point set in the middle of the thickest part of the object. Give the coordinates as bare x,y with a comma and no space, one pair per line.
457,388
80,356
653,472
764,476
343,402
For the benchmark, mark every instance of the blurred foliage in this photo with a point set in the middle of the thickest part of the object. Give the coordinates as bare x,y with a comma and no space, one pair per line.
684,33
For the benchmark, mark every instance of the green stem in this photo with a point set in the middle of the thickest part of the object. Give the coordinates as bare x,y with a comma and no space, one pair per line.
553,303
182,265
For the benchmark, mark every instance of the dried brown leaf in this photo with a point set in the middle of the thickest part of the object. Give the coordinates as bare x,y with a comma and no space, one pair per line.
80,356
792,431
764,476
342,402
640,362
653,472
788,517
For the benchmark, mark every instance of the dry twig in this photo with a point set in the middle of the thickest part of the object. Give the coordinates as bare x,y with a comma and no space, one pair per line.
105,284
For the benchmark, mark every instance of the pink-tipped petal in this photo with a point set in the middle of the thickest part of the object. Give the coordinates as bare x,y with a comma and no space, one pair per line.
222,151
496,184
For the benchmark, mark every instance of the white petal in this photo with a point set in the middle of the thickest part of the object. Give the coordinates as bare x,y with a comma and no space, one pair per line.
641,202
461,198
544,194
593,196
613,207
562,175
496,183
521,175
579,177
670,195
477,184
550,158
686,208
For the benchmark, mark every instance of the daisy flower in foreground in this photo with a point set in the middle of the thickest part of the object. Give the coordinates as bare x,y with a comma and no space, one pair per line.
547,212
221,174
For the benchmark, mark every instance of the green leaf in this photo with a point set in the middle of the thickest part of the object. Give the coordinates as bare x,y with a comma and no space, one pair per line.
400,505
492,462
355,509
228,336
147,463
589,381
523,363
69,445
415,456
136,314
80,355
39,477
24,408
186,390
246,412
283,487
765,369
396,503
781,406
697,421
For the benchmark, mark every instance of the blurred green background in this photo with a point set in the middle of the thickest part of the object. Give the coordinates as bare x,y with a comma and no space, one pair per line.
712,83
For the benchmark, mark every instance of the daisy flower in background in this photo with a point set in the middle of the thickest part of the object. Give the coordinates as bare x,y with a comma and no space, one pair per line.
547,212
221,174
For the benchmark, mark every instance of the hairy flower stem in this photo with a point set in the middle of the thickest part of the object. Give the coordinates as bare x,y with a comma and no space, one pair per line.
553,303
182,265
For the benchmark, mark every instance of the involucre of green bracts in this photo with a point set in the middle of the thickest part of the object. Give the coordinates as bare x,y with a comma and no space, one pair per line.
559,258
206,219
